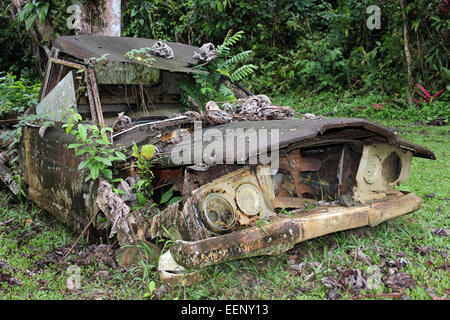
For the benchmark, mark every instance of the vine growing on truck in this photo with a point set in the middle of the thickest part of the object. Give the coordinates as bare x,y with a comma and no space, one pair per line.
93,142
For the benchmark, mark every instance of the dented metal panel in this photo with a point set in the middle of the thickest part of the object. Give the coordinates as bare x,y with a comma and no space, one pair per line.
283,233
296,133
120,73
50,171
58,103
86,47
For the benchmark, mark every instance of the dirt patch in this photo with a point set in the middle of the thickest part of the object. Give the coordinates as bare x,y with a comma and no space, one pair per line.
5,276
438,122
440,232
31,229
10,227
101,254
399,280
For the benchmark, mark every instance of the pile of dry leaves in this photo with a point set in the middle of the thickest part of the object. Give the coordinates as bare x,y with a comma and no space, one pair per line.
254,108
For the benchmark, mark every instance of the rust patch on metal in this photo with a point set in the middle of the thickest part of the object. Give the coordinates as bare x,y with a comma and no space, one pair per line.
289,202
50,172
273,239
283,233
295,164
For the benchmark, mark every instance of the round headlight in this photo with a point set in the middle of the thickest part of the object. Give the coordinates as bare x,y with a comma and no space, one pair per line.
248,199
218,213
373,168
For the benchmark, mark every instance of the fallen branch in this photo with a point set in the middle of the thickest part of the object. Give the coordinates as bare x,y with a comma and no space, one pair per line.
394,295
6,222
79,237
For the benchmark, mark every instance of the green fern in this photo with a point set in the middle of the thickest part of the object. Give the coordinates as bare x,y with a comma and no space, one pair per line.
234,67
189,89
226,92
238,58
230,40
243,72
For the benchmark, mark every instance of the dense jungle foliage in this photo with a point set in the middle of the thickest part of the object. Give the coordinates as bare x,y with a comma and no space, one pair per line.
328,57
312,46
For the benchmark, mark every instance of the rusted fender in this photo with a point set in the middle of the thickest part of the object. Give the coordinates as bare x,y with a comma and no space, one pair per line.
282,234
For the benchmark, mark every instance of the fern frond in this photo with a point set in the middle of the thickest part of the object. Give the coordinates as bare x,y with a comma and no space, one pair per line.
229,41
243,71
189,90
229,34
226,92
223,72
238,58
233,39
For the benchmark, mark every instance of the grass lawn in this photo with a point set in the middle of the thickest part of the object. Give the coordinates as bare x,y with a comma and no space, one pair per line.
405,258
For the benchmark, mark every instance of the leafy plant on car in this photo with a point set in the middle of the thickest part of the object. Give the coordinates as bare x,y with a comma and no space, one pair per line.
210,85
144,165
101,60
142,55
93,142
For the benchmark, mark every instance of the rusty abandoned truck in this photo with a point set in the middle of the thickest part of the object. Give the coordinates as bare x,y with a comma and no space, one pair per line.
333,174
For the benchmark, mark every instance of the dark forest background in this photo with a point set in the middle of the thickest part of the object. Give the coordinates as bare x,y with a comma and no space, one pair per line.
311,45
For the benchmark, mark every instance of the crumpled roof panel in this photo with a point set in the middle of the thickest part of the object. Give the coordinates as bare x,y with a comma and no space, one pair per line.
295,131
86,47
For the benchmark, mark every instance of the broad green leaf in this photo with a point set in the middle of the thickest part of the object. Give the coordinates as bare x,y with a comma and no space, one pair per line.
68,128
83,164
105,137
42,11
107,173
219,6
30,20
148,151
120,191
94,172
141,198
95,131
82,131
105,161
81,151
121,156
151,287
166,196
25,12
73,146
174,199
135,151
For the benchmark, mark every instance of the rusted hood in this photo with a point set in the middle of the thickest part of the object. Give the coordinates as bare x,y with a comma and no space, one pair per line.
298,132
86,47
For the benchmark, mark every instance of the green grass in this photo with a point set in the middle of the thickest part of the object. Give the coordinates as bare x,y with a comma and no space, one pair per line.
266,277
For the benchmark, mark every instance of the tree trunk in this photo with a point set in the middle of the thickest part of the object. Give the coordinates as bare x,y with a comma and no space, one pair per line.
113,17
407,54
420,51
100,17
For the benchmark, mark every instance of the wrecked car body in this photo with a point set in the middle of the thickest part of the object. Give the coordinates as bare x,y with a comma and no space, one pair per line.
258,186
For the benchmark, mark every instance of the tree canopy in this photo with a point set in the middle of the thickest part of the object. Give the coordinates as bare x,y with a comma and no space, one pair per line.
324,45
